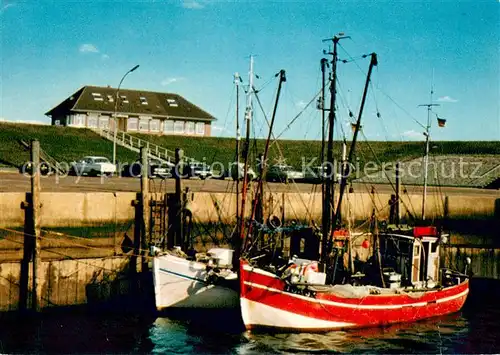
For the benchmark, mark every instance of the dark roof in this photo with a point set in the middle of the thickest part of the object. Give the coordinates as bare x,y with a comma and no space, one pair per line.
131,102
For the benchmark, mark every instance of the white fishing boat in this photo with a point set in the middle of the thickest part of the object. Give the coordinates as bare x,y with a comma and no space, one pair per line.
206,281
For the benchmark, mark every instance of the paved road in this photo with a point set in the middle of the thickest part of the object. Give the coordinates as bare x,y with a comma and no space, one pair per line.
15,182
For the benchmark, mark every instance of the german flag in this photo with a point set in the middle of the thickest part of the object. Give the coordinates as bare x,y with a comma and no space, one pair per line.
441,122
353,127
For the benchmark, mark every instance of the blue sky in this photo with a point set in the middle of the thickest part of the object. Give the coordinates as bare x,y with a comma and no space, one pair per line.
49,49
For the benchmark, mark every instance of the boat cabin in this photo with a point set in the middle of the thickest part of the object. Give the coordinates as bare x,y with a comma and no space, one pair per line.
412,256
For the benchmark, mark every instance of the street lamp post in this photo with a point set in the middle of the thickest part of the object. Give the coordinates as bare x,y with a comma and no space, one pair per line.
115,128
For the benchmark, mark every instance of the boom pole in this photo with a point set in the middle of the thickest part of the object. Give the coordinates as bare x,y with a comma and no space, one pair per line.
345,170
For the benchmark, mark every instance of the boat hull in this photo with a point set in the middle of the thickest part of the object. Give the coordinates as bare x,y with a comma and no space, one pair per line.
181,283
265,302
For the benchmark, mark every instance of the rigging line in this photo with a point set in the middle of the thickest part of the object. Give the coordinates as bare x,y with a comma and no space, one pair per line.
265,84
383,92
67,242
66,256
275,141
231,102
297,116
366,185
387,176
268,124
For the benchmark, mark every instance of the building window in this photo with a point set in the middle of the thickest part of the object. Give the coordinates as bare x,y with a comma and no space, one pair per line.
200,128
57,122
154,125
144,101
190,127
124,99
179,127
143,125
132,124
104,122
97,96
92,122
168,126
172,103
76,120
110,98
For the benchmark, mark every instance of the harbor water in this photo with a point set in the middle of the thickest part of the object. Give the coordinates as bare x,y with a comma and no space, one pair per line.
475,329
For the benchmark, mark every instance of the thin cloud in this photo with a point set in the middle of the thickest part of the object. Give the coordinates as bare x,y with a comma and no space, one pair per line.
88,48
169,81
5,7
192,4
105,56
301,103
447,99
412,134
220,129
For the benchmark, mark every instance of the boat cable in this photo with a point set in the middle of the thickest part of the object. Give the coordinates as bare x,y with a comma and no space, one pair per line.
66,256
382,91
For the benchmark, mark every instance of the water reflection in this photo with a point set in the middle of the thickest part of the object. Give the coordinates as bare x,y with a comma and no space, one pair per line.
474,330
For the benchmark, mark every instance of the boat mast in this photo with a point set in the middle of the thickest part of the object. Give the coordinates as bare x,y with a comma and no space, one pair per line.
259,192
329,186
246,148
324,64
238,138
426,156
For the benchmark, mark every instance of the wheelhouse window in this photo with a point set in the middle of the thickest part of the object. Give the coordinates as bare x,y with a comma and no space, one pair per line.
200,128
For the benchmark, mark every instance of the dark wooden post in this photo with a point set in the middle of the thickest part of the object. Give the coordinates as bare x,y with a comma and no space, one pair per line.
179,240
398,195
35,206
27,253
145,223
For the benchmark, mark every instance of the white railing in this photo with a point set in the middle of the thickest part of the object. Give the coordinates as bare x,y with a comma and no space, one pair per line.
134,143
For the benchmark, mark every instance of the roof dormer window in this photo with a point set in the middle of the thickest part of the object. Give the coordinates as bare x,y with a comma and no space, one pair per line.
97,96
124,99
110,98
144,101
172,103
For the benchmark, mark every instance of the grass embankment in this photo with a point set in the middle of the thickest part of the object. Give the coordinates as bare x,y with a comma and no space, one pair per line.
68,144
63,143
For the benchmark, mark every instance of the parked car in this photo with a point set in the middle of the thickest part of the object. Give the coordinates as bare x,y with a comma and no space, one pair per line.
27,168
237,171
315,174
201,170
157,168
91,165
283,173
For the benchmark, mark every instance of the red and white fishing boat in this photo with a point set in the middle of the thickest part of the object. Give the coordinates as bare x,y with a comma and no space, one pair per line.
321,283
290,302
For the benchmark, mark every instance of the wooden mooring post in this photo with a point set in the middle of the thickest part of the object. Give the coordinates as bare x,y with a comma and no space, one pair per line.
179,234
32,243
145,223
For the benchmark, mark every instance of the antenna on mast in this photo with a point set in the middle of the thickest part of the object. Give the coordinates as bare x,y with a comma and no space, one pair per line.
427,138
